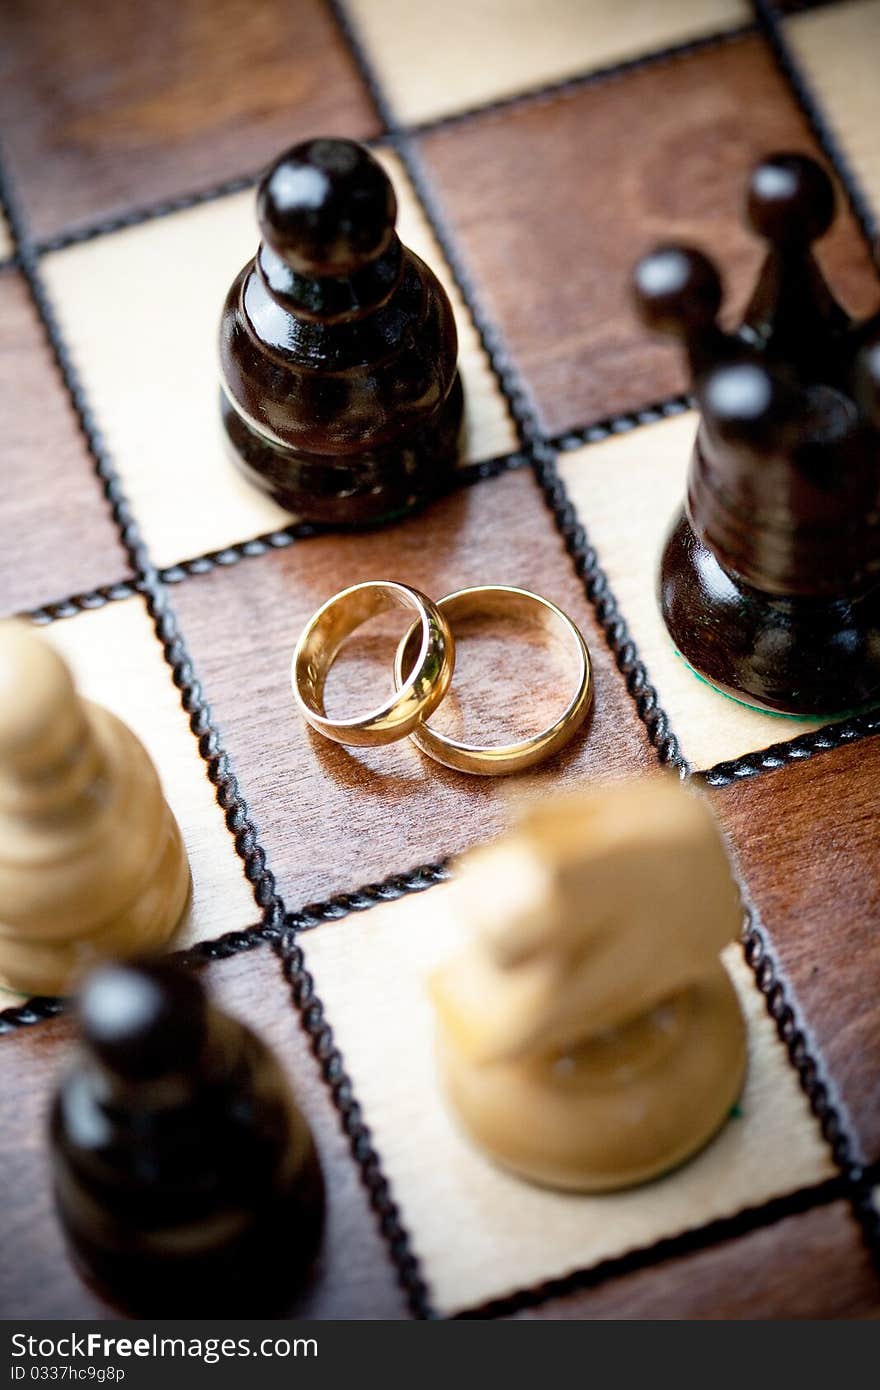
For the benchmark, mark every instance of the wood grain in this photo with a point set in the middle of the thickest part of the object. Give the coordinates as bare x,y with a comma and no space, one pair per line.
353,1277
58,535
333,819
530,45
765,1274
837,48
572,191
117,661
108,106
158,401
371,973
806,839
627,491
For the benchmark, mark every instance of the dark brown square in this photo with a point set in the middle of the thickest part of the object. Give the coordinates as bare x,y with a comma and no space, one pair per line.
353,1276
554,201
806,838
58,535
333,819
108,105
755,1276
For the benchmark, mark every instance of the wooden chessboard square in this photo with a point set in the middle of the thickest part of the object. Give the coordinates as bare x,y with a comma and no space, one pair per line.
755,1276
572,191
6,245
627,491
333,819
353,1276
482,50
110,106
153,380
806,839
117,661
837,48
480,1232
58,534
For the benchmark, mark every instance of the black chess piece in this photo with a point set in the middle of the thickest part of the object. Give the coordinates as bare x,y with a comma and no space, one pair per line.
341,395
770,579
186,1179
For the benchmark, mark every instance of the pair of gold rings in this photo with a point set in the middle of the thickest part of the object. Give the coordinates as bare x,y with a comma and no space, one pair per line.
423,667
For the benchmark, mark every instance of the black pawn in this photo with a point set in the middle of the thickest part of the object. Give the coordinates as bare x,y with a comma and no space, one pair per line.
186,1179
341,395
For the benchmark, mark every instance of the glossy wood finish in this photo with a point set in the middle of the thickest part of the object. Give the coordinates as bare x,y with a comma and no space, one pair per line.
352,1277
338,349
103,113
481,1232
766,1274
496,48
109,106
837,46
186,1180
332,819
51,498
806,840
675,142
812,657
578,1058
153,419
627,489
118,662
93,863
770,581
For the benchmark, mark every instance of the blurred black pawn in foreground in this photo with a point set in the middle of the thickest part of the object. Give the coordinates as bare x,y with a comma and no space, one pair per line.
341,395
770,579
186,1179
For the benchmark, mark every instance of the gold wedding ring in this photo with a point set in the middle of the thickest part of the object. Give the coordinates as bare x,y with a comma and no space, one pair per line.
511,757
418,693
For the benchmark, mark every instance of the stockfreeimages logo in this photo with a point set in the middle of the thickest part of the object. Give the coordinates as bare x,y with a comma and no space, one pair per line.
207,1349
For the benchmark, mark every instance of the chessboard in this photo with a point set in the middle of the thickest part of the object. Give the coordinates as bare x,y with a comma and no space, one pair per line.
537,150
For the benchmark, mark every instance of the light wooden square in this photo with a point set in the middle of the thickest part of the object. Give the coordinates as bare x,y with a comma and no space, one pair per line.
627,490
480,1232
117,662
6,244
839,49
140,310
434,61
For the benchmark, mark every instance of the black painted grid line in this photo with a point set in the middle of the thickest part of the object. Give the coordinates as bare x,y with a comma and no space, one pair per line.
564,87
535,445
817,1081
221,775
860,726
426,884
812,109
233,943
543,457
749,764
333,909
713,1234
860,1186
73,604
164,207
854,1181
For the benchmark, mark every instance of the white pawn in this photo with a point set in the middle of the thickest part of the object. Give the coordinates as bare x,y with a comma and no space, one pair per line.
92,862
